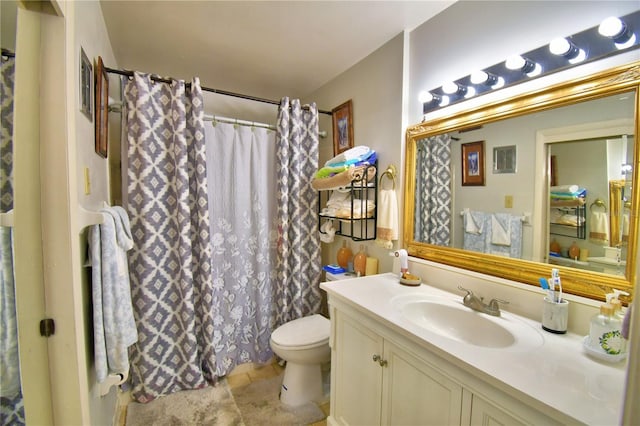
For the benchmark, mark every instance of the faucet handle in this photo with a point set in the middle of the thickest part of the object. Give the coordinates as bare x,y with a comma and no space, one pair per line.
469,292
494,303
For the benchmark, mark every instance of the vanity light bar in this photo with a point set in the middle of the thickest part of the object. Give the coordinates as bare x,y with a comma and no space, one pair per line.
612,36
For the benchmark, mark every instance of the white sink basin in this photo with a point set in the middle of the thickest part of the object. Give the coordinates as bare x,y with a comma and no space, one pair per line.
454,321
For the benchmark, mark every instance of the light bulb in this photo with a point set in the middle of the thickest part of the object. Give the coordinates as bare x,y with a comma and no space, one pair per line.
611,27
515,62
562,47
450,87
617,30
444,101
483,77
425,97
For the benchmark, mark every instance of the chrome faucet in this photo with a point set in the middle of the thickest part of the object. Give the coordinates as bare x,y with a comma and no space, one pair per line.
477,304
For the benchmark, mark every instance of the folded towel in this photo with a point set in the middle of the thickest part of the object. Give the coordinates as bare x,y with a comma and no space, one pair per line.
501,229
387,226
564,188
514,248
114,327
474,225
474,222
356,153
599,228
352,176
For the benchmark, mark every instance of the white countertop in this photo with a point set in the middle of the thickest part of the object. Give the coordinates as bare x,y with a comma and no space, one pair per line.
557,373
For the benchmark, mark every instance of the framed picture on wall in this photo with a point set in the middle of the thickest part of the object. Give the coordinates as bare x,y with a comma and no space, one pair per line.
342,127
102,108
86,82
473,164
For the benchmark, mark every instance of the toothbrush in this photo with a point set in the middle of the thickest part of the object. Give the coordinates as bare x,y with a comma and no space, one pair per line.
545,286
555,277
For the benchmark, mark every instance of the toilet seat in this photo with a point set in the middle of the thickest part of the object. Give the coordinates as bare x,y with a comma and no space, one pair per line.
303,333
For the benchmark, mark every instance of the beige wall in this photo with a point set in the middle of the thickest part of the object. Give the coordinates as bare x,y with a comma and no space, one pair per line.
374,85
67,148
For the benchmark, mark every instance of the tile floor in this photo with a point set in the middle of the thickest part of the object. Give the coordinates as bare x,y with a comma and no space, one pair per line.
247,373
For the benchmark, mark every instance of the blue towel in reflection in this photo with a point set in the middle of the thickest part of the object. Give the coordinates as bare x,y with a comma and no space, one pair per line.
475,227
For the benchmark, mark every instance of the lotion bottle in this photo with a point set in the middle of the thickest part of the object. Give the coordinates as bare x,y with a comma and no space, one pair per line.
360,262
604,331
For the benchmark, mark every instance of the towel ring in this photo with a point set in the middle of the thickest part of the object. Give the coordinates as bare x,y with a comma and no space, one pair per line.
390,173
598,203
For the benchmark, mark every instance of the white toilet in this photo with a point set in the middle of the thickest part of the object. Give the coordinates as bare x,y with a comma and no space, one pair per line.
304,344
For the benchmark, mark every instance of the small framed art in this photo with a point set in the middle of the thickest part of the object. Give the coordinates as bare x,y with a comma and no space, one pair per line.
102,109
86,81
342,127
473,164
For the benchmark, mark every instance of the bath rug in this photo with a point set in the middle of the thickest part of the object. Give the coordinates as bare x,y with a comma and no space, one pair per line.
213,405
259,404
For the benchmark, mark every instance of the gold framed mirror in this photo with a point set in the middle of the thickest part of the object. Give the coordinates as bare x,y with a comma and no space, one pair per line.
623,82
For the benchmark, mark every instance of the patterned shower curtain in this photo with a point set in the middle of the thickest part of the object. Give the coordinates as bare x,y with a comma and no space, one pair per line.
432,222
297,291
170,264
241,181
11,402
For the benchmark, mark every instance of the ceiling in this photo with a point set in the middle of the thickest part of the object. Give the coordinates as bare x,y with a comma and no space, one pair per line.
267,49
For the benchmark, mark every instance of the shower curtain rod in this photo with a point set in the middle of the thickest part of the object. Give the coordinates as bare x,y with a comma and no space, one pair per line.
207,89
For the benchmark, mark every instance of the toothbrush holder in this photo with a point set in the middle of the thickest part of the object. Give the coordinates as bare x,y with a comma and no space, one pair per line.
555,316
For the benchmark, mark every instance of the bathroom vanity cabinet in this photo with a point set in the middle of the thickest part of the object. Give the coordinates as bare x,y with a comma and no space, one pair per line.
379,378
416,355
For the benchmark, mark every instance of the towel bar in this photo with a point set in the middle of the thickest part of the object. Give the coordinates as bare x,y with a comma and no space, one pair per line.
598,203
525,218
391,174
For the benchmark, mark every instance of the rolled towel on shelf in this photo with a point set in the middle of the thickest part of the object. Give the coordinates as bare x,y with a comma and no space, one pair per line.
565,188
356,153
353,175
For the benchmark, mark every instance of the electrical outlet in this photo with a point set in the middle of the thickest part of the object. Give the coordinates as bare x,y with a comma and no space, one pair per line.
508,201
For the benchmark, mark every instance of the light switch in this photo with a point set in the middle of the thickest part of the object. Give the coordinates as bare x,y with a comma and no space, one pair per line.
87,181
508,201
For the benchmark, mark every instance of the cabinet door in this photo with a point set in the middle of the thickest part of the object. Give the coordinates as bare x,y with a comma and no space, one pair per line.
415,393
485,413
357,378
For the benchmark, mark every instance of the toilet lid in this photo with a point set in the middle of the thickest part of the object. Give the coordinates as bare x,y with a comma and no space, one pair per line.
302,331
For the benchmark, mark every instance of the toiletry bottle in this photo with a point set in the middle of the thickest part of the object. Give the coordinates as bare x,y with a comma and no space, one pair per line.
604,331
344,255
360,262
618,310
554,247
574,251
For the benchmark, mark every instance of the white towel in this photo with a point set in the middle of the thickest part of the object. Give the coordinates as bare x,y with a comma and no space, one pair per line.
387,226
114,327
599,228
350,154
474,224
501,229
565,188
625,228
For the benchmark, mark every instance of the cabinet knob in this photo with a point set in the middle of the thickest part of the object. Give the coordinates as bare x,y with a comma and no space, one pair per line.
379,360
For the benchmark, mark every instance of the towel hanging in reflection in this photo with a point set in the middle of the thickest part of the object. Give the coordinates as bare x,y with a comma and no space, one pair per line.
599,228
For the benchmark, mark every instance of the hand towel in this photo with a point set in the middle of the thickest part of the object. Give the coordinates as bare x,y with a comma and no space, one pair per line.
625,227
114,327
514,247
474,226
387,224
9,355
474,222
327,232
501,229
599,228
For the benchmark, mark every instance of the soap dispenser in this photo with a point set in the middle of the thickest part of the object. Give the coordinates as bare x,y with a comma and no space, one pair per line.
604,331
360,262
344,255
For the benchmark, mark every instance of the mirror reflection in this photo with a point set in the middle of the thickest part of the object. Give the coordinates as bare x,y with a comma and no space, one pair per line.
497,217
564,196
11,400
